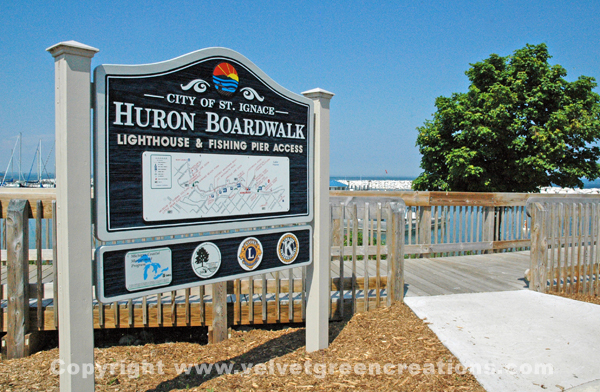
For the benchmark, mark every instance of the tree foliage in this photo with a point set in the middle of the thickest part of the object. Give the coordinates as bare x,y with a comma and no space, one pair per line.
520,126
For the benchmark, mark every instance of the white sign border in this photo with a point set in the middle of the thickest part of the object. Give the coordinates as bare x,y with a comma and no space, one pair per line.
101,205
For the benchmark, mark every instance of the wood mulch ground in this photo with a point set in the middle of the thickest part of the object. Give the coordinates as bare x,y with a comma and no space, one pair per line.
591,298
387,349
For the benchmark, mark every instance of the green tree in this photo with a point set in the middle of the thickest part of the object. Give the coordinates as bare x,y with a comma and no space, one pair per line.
521,126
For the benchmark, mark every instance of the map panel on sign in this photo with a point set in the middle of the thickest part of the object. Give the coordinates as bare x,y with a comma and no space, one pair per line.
186,185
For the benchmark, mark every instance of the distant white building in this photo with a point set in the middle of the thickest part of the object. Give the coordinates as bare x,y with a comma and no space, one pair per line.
337,186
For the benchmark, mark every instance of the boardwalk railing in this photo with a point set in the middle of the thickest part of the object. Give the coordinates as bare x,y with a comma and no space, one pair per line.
564,244
459,223
29,303
367,246
456,223
24,272
369,233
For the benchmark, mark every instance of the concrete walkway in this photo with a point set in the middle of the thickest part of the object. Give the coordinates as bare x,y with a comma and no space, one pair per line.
518,340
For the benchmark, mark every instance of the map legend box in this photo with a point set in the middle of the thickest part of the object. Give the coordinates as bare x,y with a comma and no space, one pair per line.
160,169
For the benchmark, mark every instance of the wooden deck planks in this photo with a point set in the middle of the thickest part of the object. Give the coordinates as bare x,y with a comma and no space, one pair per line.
490,279
497,265
466,274
446,279
423,277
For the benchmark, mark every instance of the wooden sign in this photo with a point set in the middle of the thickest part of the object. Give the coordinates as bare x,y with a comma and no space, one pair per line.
128,271
203,142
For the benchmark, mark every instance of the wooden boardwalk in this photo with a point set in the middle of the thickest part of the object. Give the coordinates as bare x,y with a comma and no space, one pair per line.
423,277
466,274
450,275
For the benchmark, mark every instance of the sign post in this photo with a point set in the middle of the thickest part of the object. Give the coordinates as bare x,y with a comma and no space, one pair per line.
317,277
76,329
201,143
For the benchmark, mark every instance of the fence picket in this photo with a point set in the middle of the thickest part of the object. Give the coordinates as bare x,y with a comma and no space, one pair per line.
303,294
145,321
340,241
366,257
596,284
354,253
553,231
130,316
237,313
378,259
277,299
291,295
202,306
263,298
584,264
251,299
38,261
578,231
562,277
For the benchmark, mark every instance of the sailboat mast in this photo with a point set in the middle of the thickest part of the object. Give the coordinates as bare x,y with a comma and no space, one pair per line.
20,155
11,163
40,163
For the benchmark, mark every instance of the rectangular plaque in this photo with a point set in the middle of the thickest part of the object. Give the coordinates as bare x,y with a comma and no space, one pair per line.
133,270
148,269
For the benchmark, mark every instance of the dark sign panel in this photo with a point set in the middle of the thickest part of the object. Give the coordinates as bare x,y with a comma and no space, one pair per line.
200,143
128,271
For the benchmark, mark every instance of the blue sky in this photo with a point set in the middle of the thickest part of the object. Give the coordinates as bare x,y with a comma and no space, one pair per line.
386,62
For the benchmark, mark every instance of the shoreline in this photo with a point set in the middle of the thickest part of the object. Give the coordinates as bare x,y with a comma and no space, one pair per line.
405,185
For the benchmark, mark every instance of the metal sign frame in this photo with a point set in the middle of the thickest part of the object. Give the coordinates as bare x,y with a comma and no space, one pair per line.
107,229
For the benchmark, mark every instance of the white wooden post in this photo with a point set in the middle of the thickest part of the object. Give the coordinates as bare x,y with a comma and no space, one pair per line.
72,62
317,278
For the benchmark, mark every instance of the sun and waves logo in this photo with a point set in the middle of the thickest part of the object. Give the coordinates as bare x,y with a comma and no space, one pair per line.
225,79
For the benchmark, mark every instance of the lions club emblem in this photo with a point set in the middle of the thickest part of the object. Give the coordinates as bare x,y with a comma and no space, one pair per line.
250,254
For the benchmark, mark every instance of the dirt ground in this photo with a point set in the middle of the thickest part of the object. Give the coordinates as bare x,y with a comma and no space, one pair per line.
387,349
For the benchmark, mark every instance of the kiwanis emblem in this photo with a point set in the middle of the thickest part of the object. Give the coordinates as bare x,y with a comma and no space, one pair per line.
288,248
225,79
250,253
206,260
